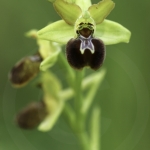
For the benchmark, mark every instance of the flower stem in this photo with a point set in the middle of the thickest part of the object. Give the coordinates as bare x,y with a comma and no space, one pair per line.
95,129
78,101
97,80
84,140
69,115
75,119
80,121
70,73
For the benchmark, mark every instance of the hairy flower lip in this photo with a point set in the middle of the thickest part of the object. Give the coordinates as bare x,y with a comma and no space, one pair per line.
78,60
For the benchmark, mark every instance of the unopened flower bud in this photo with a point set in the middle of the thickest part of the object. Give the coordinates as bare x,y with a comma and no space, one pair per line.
24,70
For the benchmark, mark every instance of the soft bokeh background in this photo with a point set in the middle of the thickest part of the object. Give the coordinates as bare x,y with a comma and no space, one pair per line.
123,96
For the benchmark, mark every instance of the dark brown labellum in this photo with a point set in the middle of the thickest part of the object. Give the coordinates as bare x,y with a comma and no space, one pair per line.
32,115
25,70
83,52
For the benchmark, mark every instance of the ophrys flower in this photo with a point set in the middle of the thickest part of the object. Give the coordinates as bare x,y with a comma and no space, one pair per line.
85,31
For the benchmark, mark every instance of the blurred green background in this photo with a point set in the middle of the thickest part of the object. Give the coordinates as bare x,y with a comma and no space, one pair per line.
123,96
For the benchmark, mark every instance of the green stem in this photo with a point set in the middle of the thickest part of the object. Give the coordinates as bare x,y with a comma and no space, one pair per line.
90,81
80,121
69,115
95,129
84,140
70,118
70,73
76,119
78,101
97,80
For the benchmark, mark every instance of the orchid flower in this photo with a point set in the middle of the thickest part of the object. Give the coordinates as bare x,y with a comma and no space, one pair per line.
85,31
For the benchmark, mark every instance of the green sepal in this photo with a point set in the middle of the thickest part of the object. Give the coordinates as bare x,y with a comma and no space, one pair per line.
84,4
101,10
49,61
68,11
111,32
59,32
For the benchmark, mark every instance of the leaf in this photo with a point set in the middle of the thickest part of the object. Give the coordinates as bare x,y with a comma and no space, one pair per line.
68,11
59,32
111,32
101,10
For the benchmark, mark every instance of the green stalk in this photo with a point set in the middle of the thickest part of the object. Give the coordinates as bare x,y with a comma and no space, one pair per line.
76,119
97,80
78,101
69,115
91,81
80,121
84,140
95,129
70,118
70,73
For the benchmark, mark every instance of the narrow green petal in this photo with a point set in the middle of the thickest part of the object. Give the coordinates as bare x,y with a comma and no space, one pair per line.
111,32
84,4
68,11
49,61
101,10
59,32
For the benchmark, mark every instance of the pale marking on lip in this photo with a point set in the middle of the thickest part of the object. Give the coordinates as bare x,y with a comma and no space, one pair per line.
86,43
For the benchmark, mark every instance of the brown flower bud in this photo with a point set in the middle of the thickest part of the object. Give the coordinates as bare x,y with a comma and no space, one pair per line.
32,115
24,70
